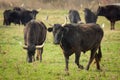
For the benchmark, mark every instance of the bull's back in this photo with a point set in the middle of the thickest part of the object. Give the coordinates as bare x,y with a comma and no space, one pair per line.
92,37
35,33
112,12
116,11
84,36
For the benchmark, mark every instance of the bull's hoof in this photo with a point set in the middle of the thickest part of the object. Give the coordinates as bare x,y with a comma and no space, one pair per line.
99,69
87,68
81,67
67,72
40,60
66,69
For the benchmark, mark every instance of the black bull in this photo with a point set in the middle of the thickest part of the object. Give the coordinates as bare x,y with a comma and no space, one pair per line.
34,35
111,12
90,17
77,38
74,16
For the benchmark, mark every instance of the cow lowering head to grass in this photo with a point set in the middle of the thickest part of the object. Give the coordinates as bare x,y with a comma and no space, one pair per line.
34,38
27,15
77,38
18,16
11,16
111,12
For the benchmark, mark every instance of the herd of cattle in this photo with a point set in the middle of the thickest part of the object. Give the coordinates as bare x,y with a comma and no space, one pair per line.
75,37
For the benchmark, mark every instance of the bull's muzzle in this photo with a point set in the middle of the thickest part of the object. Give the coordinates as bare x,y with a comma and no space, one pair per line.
37,46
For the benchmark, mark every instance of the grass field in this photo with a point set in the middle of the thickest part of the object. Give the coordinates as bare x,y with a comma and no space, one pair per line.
13,65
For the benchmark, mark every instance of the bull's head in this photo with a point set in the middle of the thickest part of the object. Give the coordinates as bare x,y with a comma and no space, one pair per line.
101,11
57,30
31,51
34,13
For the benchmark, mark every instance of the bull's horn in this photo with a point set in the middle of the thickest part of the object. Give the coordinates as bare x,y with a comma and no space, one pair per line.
47,20
65,21
80,22
10,4
25,47
37,47
22,5
98,3
50,24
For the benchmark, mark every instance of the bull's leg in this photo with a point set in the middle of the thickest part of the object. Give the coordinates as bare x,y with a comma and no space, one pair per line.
77,57
27,58
97,62
113,25
92,56
39,54
41,51
66,62
33,58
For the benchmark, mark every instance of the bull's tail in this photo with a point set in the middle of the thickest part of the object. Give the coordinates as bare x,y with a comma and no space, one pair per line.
99,55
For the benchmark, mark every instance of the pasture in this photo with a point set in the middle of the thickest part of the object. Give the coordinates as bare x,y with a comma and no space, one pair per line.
13,65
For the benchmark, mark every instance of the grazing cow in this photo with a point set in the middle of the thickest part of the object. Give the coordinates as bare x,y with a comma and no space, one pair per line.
74,16
111,12
34,35
90,17
6,15
11,16
27,15
18,15
77,38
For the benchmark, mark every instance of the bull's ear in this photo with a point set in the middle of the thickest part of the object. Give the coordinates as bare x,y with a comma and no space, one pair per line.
50,29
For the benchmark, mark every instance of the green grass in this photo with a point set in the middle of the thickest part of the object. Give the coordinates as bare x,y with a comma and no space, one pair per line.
13,65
